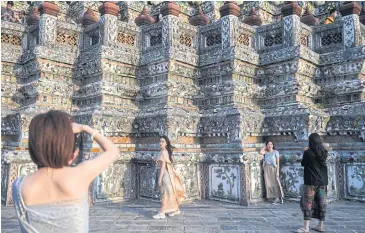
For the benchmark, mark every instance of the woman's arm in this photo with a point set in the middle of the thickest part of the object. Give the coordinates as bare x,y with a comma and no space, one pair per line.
90,169
162,171
277,164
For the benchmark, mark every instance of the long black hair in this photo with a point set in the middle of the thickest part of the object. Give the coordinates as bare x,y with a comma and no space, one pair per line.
168,146
316,146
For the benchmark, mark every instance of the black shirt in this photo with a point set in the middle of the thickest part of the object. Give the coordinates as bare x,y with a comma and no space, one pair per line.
315,173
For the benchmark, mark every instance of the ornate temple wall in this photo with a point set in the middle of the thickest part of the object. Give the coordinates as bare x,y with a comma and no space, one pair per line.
218,78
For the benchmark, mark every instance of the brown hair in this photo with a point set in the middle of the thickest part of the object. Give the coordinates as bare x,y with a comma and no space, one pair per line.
169,148
51,139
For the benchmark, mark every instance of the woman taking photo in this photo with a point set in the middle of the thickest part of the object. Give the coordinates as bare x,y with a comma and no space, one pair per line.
170,185
271,164
313,201
55,197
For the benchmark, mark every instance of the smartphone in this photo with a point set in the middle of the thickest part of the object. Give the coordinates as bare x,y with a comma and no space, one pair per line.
78,141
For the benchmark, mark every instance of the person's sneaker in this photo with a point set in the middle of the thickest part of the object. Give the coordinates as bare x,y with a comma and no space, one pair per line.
159,216
281,200
276,201
177,212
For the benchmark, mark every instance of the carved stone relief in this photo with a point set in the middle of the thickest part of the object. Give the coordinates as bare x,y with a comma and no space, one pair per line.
224,182
189,175
355,181
113,183
255,181
292,180
148,178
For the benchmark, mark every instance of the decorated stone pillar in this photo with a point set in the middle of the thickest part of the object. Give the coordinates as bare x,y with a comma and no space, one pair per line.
47,23
170,12
177,45
45,84
43,74
13,38
106,96
230,117
38,89
166,76
229,13
109,12
291,16
351,27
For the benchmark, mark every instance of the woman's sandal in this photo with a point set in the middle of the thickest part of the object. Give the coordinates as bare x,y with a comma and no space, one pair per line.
319,229
177,212
302,230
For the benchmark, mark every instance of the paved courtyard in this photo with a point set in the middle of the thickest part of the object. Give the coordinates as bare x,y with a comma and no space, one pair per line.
210,216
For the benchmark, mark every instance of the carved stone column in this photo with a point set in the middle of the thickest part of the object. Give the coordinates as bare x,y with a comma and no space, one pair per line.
229,13
351,26
106,96
166,76
109,12
230,117
47,23
291,13
43,83
43,75
13,38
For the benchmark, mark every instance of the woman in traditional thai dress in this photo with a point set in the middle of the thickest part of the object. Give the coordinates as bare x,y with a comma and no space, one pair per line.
55,197
271,163
170,185
313,201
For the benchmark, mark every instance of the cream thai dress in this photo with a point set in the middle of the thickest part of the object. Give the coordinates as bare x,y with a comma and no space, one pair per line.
169,200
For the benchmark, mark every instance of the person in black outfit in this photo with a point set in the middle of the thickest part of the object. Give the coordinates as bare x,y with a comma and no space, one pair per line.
313,201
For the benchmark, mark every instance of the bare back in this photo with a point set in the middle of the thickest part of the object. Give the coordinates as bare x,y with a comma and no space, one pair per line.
52,185
55,199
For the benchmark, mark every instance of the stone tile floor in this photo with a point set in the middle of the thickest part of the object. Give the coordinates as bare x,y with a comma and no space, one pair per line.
210,216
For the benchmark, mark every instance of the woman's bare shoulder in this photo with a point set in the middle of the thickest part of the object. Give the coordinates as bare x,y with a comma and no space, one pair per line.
165,155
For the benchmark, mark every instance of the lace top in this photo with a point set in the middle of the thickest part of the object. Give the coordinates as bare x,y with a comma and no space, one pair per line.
66,216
